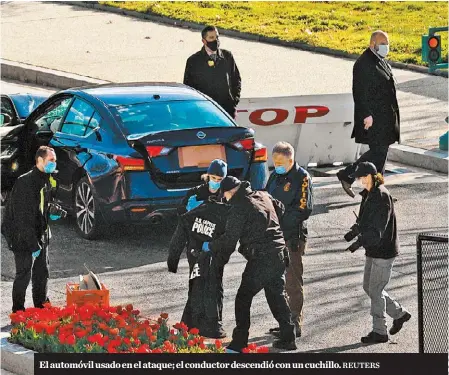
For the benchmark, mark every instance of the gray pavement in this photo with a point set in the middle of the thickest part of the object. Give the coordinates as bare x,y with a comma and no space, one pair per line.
130,261
124,49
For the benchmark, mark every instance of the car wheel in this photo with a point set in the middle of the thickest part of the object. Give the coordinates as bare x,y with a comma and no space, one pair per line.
89,221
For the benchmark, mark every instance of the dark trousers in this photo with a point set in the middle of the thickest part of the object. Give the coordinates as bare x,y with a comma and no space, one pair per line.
204,307
377,154
36,270
263,273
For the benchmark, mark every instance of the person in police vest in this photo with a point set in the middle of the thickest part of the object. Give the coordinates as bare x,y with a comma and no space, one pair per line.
292,185
204,305
210,188
253,219
25,227
213,71
376,231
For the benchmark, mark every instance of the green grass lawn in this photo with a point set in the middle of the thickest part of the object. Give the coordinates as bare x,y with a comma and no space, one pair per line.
344,26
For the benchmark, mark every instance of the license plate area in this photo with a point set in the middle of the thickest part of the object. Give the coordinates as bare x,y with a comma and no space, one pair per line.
200,156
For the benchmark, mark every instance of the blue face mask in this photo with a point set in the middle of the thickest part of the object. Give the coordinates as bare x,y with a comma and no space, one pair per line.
214,185
281,170
50,167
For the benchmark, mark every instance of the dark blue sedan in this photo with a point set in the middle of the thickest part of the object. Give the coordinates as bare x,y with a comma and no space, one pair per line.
130,152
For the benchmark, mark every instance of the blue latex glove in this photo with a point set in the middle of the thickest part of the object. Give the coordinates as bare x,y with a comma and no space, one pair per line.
206,246
193,203
36,253
55,217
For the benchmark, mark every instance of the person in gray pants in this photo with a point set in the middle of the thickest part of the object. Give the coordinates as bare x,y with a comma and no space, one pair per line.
376,231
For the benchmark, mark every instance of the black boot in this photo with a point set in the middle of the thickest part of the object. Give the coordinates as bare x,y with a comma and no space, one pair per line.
374,338
285,345
398,323
345,185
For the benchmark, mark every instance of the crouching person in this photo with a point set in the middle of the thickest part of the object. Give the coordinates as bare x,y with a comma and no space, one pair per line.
204,305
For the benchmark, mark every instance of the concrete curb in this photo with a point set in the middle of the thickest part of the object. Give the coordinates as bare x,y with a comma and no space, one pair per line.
16,358
242,35
43,76
417,157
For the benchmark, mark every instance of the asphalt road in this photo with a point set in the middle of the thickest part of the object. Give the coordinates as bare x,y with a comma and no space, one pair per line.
130,261
125,49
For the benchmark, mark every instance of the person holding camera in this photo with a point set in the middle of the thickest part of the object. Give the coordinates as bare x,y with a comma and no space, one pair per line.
25,227
376,231
292,185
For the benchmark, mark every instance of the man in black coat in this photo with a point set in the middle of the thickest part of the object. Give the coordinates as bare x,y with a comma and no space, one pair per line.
25,227
214,72
254,221
204,305
376,110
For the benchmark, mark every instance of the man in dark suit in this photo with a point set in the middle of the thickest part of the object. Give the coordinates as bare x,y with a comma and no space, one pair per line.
213,71
376,110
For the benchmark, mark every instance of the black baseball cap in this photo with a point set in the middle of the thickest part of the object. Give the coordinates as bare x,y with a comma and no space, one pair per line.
364,168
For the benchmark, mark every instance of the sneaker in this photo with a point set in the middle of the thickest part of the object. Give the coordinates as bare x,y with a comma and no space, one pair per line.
277,333
285,345
398,323
374,338
346,185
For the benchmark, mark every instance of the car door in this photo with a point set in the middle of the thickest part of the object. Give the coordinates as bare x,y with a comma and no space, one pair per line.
72,142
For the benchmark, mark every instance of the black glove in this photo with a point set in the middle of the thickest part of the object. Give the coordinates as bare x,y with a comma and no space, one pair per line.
354,246
172,266
353,233
293,245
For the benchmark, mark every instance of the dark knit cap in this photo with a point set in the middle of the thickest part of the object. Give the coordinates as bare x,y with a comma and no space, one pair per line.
218,168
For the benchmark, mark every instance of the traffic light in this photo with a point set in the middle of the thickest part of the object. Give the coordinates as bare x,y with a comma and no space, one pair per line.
431,48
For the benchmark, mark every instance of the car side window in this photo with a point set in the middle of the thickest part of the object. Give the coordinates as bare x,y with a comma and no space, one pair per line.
93,124
8,109
78,119
53,115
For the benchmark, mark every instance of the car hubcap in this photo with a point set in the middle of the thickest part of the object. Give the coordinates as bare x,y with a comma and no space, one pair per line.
85,209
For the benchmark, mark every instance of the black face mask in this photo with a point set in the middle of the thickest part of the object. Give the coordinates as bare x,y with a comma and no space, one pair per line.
213,46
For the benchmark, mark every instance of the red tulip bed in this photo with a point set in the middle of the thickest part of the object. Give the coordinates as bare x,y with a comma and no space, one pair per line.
94,329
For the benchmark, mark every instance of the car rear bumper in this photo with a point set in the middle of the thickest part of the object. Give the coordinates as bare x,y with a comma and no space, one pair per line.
150,210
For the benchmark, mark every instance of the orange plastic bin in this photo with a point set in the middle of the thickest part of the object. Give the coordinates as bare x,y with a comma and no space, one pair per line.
84,297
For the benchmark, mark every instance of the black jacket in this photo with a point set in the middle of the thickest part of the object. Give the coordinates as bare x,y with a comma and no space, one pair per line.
295,191
219,80
24,222
254,220
199,225
374,94
377,224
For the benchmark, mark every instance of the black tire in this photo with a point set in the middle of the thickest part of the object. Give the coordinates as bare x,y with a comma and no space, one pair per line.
89,222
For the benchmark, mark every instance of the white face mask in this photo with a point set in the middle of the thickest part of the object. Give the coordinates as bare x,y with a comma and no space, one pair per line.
359,183
383,49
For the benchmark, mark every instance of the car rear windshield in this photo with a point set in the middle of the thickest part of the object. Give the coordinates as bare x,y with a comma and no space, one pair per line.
172,115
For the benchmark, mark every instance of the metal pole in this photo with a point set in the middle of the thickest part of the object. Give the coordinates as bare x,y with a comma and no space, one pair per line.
420,293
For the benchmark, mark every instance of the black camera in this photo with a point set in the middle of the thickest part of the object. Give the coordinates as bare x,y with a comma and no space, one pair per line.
353,233
56,209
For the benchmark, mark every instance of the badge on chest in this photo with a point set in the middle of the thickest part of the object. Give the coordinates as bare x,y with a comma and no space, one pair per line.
287,186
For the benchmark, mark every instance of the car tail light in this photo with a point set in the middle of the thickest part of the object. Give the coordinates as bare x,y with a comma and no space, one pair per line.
260,154
130,164
155,151
245,144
